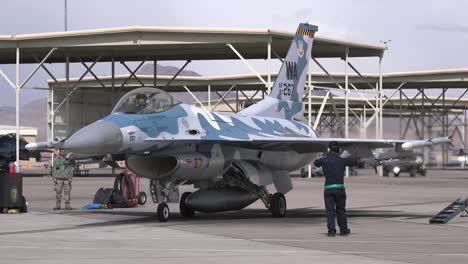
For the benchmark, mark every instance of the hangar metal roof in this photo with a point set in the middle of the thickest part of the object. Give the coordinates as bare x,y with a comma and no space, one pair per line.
452,78
356,103
447,78
167,43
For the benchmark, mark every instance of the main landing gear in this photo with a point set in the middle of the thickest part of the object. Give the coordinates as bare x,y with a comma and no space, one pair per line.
167,193
278,205
185,210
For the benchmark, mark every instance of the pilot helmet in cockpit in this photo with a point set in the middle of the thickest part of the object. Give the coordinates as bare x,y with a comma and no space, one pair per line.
144,100
140,100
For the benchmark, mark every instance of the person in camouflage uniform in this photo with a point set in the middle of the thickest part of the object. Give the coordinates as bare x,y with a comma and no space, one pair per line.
62,174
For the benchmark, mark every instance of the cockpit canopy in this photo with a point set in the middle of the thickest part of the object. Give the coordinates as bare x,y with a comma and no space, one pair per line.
145,100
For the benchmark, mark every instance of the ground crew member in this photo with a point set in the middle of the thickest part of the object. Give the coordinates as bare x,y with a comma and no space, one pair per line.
62,174
334,194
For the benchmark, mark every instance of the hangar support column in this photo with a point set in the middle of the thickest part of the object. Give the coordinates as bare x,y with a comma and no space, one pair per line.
309,107
67,89
346,98
17,108
17,87
113,81
381,94
269,66
346,102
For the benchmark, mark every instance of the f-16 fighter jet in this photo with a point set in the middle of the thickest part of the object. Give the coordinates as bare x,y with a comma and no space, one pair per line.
229,159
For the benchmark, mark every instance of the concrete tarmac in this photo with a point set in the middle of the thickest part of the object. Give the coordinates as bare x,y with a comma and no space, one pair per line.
388,218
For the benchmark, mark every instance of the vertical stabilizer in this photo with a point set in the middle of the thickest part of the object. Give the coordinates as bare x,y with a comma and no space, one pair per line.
285,100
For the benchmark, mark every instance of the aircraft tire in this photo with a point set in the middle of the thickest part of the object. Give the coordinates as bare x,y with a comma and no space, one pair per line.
141,198
163,212
396,174
38,157
278,205
423,172
24,205
185,210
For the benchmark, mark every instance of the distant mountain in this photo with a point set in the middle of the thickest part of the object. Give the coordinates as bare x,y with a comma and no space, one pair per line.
8,115
148,69
32,114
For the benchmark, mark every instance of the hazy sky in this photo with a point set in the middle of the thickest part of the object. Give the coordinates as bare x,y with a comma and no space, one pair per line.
424,34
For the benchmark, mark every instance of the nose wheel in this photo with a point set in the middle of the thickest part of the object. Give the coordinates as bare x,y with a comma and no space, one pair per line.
163,212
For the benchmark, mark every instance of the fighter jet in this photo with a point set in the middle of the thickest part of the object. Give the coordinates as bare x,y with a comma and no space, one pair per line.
403,158
8,150
230,159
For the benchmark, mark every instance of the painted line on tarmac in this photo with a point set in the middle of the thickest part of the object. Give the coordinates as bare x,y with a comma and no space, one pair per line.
324,240
118,238
405,253
454,254
317,252
334,240
175,249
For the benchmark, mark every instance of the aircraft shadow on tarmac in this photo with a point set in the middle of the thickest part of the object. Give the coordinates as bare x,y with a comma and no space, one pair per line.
306,215
298,215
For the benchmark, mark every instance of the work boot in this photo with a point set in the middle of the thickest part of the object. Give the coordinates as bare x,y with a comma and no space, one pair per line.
67,206
345,232
57,206
331,233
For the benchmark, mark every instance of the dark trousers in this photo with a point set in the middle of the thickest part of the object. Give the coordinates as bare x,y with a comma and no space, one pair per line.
335,204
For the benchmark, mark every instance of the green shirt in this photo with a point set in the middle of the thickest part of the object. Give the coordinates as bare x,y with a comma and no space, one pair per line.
62,169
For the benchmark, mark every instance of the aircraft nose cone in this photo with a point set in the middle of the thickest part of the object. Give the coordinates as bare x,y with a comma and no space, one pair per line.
99,138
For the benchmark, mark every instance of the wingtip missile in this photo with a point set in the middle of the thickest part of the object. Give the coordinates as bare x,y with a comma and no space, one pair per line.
37,146
44,145
426,143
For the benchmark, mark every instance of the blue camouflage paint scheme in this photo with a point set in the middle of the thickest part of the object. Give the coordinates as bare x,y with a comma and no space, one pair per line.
286,95
290,111
151,124
238,129
295,101
302,63
154,124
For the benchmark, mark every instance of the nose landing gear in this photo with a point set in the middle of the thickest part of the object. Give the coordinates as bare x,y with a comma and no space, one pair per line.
163,193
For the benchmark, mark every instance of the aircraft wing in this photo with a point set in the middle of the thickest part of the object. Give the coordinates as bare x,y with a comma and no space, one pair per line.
304,145
308,144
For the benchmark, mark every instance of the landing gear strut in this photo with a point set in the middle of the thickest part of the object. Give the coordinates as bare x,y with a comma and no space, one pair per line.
276,203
